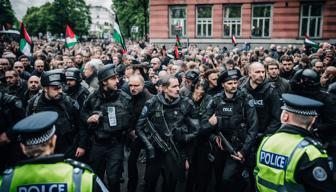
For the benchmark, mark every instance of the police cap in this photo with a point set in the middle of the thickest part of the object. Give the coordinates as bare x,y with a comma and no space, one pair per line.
300,105
37,128
106,72
54,77
73,74
192,75
228,75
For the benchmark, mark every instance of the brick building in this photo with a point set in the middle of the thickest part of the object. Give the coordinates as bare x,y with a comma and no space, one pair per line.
255,21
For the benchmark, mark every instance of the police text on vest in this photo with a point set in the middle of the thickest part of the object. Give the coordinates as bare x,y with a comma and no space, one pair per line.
273,160
50,187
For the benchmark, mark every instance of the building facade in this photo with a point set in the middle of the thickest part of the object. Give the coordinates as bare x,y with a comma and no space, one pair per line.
254,21
102,20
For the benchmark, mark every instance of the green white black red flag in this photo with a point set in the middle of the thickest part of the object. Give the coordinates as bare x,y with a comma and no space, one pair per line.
26,44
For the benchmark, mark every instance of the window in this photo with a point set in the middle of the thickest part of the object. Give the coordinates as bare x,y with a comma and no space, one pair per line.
311,20
232,20
204,21
261,20
177,21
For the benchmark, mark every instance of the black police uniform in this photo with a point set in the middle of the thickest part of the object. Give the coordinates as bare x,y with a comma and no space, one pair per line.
46,170
238,122
138,102
9,105
78,92
115,117
70,131
176,123
280,84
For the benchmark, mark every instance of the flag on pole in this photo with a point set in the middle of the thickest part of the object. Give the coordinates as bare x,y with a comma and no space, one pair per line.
70,37
178,47
234,41
118,36
26,44
310,43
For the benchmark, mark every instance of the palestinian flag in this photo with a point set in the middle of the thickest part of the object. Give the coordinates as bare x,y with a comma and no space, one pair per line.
118,36
310,43
234,41
178,47
70,37
26,44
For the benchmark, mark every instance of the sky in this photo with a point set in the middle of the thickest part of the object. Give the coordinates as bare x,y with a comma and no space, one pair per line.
20,6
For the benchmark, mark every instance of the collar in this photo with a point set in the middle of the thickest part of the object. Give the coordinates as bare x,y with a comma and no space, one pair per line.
288,128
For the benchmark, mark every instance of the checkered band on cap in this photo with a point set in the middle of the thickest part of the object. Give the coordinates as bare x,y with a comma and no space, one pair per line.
300,111
40,138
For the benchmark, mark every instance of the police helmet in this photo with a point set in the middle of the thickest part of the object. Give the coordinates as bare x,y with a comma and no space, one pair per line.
192,75
73,74
53,78
306,79
106,72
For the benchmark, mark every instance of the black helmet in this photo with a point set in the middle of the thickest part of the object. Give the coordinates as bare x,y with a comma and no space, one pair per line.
73,74
192,75
53,78
106,72
306,79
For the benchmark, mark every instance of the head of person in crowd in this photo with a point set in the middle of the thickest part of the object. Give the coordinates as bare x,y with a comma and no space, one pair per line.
174,69
18,67
12,78
296,58
191,78
136,84
304,62
4,65
305,81
117,59
273,68
86,57
156,64
229,64
317,66
287,63
299,111
329,74
328,59
229,81
26,61
34,84
127,59
39,66
69,63
36,134
211,77
108,78
79,60
52,82
92,67
170,88
73,77
128,72
199,91
257,74
10,56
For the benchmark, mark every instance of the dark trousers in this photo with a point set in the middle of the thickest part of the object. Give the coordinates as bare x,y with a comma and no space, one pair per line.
133,177
163,164
228,173
108,157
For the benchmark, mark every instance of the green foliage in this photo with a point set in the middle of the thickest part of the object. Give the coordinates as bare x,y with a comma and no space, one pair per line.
6,13
132,13
53,17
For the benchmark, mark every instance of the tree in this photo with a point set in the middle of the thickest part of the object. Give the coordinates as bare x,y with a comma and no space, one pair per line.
132,13
53,17
7,17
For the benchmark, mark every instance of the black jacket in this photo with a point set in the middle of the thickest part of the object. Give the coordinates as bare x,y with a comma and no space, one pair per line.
231,115
280,84
267,103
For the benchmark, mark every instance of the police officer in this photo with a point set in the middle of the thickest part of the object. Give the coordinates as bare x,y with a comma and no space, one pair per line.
174,119
72,134
108,112
232,113
44,171
292,159
75,90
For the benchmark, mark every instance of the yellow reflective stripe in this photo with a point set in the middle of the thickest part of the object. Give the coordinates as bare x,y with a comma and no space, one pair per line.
87,181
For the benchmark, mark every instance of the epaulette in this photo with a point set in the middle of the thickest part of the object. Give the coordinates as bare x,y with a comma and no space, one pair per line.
78,164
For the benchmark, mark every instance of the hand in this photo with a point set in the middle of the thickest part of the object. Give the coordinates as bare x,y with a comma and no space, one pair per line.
186,165
80,152
238,156
219,143
132,135
213,120
4,138
93,119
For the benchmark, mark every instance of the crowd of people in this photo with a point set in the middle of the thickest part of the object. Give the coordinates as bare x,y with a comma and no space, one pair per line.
199,115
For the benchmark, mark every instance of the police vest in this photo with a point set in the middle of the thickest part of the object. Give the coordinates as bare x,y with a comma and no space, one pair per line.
60,177
277,159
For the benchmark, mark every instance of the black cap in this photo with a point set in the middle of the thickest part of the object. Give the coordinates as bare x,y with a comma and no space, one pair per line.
106,72
192,75
73,74
37,128
300,105
53,78
228,75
